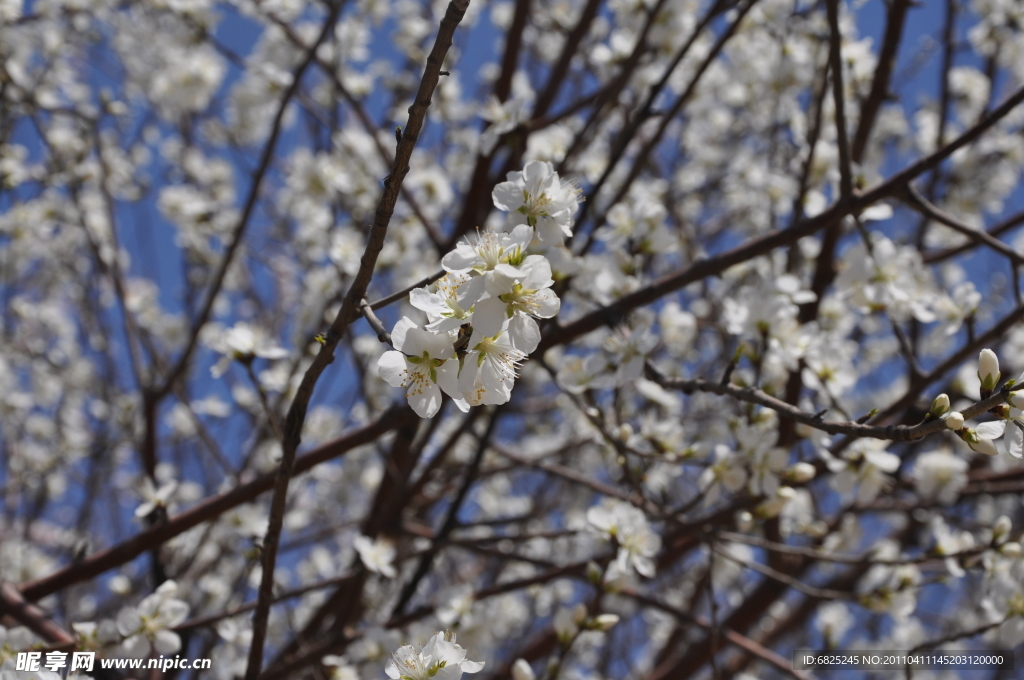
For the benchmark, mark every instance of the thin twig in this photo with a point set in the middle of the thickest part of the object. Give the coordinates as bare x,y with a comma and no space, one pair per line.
205,511
914,199
794,583
349,312
899,433
375,323
13,604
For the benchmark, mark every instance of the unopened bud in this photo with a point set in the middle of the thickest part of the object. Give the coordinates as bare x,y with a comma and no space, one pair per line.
1010,549
988,369
521,670
772,507
801,472
579,613
939,405
979,444
593,572
817,529
954,420
744,521
603,622
1001,529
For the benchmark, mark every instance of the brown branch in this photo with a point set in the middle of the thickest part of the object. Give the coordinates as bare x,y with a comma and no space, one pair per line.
914,199
247,211
561,67
349,312
712,266
794,583
741,641
667,116
817,554
375,323
880,83
205,511
394,297
996,230
13,604
897,433
204,621
836,61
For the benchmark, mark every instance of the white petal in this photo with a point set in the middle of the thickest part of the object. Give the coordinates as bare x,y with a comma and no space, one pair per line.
421,298
400,331
448,378
472,666
136,647
173,612
489,317
128,621
460,259
166,641
470,292
539,272
507,196
393,368
1015,441
524,333
547,302
550,232
425,399
991,430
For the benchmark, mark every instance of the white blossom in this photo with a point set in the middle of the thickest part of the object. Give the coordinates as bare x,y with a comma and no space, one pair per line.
377,555
537,197
420,363
441,658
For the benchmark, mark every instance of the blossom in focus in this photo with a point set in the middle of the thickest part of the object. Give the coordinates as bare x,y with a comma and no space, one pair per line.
537,197
440,659
490,252
517,301
420,363
489,369
451,303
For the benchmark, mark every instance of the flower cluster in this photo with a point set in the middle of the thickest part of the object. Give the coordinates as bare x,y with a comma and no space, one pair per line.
481,315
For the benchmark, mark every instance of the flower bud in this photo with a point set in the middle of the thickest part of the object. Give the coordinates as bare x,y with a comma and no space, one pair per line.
954,420
521,670
744,521
593,572
603,622
565,625
939,405
773,506
988,369
801,472
1010,549
1001,529
1016,399
980,444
